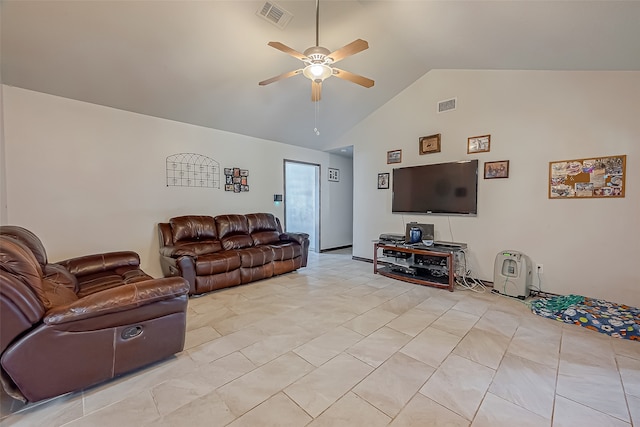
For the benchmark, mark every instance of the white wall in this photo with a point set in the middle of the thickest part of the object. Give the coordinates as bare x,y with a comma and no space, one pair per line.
587,247
87,178
3,176
340,203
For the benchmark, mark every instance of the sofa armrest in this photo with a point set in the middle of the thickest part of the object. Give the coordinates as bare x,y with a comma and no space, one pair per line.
121,298
296,237
176,251
90,264
302,239
183,266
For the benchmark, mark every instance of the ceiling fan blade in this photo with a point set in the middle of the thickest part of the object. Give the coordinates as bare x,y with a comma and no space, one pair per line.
280,77
355,78
348,50
316,90
286,49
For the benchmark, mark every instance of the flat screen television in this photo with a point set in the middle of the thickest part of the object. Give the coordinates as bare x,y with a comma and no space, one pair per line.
442,188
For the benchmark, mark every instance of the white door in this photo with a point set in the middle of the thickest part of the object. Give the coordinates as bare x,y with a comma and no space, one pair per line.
302,200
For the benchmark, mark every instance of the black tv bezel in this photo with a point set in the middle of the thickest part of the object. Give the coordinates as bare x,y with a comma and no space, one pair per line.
443,213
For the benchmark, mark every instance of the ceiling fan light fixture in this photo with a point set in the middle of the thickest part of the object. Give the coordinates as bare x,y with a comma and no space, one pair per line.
317,72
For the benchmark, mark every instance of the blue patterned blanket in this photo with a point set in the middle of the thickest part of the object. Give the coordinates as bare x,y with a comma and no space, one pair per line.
617,320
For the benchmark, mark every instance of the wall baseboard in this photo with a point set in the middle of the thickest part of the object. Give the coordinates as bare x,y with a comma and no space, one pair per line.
335,249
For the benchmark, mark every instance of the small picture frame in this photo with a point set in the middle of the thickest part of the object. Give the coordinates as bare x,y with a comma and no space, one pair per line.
383,181
430,144
499,169
334,174
479,144
394,156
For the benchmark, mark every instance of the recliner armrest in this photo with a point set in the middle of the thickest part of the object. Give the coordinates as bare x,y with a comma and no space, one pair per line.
90,264
120,298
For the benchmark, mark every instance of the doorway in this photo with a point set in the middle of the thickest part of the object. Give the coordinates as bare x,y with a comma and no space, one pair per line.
302,200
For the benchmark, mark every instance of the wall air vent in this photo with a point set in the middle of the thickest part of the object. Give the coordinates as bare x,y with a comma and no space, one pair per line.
447,105
275,14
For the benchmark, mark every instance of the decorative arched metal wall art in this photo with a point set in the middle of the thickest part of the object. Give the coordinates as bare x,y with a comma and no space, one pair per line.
192,170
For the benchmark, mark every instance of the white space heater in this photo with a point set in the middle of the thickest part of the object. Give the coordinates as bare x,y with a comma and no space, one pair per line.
512,274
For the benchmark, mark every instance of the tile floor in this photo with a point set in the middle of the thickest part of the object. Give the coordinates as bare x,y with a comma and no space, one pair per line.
335,345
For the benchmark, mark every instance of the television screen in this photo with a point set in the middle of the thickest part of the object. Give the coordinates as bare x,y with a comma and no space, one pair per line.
443,188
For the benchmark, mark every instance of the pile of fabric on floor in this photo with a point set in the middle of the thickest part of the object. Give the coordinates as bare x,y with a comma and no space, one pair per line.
617,320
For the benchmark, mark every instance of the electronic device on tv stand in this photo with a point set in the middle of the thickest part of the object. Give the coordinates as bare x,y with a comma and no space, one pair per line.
449,245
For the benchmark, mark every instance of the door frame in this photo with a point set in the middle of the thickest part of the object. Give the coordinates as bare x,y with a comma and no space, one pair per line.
318,226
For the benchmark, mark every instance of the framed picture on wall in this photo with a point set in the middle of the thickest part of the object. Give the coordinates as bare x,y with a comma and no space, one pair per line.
383,181
394,156
334,174
479,144
499,169
430,144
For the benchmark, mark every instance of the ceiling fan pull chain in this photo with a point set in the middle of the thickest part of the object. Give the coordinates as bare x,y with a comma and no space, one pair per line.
317,113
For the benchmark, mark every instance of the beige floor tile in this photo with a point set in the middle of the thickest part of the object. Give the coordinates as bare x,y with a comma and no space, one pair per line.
251,389
580,345
208,410
628,348
379,346
137,382
485,348
402,303
327,346
177,392
392,385
459,385
497,412
537,344
634,409
202,335
351,411
499,322
412,322
568,413
276,345
278,411
370,321
437,304
319,389
576,377
51,413
135,410
456,322
525,383
225,345
431,346
423,412
630,373
473,305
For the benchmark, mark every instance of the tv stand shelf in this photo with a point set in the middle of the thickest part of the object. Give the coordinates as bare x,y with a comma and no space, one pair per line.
414,264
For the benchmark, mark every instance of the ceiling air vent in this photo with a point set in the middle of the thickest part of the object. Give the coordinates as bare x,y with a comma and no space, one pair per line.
447,105
275,14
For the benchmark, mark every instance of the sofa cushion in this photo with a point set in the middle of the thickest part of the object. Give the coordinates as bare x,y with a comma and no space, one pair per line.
217,263
196,248
263,228
254,257
233,231
285,251
193,227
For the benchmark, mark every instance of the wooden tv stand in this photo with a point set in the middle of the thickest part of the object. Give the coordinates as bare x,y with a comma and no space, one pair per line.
429,266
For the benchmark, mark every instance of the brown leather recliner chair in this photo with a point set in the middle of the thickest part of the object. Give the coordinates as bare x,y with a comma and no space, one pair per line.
70,325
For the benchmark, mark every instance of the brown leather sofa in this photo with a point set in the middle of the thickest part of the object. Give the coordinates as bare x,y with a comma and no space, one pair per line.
228,250
72,324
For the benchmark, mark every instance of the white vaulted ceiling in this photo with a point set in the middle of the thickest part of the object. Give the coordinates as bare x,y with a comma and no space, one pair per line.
200,62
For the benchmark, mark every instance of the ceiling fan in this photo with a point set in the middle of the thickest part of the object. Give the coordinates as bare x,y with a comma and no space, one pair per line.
318,63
